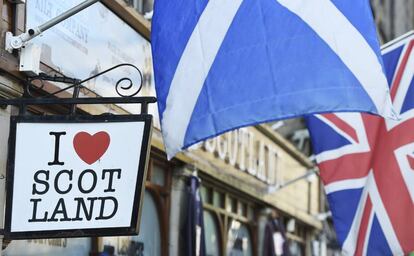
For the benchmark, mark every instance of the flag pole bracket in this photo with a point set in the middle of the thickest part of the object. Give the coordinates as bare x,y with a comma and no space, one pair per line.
18,41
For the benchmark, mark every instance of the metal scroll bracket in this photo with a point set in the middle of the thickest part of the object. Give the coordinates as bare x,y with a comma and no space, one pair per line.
124,87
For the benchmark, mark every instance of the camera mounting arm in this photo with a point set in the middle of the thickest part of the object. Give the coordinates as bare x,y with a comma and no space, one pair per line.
17,42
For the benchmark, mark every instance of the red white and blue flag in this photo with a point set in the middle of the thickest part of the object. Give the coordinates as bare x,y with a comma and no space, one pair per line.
224,64
367,165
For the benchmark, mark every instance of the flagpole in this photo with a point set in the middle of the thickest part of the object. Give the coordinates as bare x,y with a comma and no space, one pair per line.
308,173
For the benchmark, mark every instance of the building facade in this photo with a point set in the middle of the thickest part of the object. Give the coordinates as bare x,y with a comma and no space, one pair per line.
393,17
248,177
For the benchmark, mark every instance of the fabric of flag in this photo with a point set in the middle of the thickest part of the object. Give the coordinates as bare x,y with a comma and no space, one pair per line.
367,165
224,64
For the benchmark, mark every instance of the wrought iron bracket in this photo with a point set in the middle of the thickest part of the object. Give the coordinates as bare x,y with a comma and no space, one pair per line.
55,78
124,88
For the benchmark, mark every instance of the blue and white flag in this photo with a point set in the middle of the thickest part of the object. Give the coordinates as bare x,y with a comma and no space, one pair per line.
224,64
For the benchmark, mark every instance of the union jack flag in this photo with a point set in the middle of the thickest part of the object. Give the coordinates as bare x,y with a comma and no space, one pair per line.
367,165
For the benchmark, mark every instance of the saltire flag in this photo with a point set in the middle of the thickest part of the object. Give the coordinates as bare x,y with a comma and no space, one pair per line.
223,64
367,165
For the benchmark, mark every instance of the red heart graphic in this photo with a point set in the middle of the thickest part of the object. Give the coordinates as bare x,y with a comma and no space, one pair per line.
90,148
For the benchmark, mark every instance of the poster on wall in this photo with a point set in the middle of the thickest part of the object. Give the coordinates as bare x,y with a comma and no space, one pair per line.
76,176
77,38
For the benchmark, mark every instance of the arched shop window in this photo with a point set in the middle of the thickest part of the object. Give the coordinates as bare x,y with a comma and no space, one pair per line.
239,242
231,218
153,236
212,234
150,226
148,242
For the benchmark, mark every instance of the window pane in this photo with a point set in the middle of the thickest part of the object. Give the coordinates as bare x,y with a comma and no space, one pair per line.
205,195
147,243
218,199
296,248
148,5
233,205
49,247
158,175
243,209
239,242
212,235
250,213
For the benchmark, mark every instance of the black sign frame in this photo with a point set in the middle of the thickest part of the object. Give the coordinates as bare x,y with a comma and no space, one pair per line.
133,229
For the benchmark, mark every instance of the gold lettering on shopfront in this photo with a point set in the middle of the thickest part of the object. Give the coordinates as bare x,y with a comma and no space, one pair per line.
244,151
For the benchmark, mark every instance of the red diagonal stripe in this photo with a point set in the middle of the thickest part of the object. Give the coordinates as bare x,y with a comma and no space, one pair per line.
352,166
344,126
401,70
363,227
398,204
391,185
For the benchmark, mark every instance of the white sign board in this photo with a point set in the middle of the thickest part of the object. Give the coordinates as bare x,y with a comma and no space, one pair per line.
79,174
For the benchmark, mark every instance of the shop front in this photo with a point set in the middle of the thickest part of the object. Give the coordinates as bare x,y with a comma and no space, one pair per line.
241,174
245,201
153,238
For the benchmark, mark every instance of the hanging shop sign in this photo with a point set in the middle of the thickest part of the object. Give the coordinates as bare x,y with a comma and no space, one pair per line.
72,176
